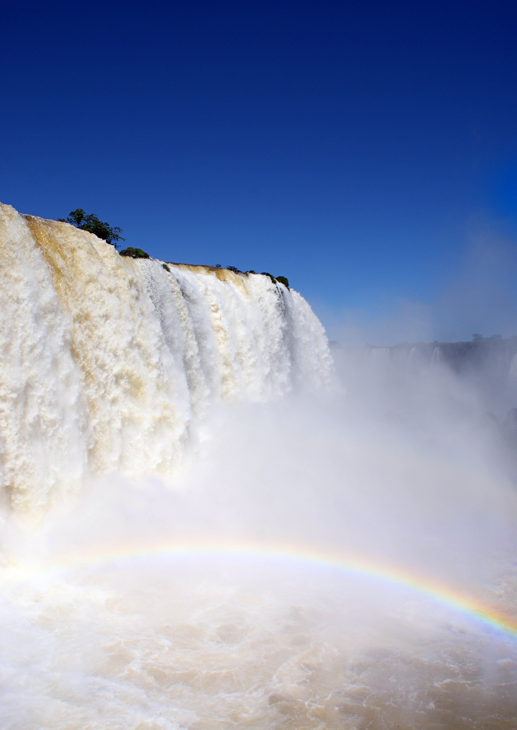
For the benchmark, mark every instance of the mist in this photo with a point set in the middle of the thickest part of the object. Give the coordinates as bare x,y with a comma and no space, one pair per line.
399,466
212,520
474,293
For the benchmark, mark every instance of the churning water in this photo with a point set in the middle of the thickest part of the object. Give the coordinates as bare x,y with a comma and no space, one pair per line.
203,529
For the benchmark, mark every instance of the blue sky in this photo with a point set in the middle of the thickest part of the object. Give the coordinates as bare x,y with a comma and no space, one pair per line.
366,150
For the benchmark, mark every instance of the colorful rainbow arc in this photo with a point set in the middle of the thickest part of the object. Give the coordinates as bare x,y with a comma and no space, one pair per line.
461,602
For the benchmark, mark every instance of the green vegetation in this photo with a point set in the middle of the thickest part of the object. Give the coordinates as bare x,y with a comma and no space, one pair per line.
89,222
135,253
283,280
276,280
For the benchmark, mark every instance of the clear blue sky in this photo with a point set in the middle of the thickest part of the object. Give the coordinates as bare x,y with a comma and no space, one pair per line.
354,147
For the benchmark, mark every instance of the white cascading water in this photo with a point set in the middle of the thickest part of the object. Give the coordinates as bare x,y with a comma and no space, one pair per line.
327,563
109,362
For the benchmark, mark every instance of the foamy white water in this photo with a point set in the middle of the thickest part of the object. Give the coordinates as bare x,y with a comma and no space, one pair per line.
111,371
109,363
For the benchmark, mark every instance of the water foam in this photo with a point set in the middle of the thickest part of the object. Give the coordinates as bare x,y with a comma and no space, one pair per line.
110,363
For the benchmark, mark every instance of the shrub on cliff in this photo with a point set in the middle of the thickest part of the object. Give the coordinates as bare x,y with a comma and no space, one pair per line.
283,280
135,253
89,222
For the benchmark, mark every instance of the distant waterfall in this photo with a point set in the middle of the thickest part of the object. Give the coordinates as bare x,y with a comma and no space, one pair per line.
108,362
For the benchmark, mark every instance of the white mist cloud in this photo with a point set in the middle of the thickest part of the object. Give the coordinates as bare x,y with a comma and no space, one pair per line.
401,321
480,296
401,467
483,297
398,469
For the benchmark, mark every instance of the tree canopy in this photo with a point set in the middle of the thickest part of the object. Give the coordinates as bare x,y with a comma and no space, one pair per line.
89,222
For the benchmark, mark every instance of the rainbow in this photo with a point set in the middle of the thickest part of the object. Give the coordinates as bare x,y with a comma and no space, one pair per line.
478,610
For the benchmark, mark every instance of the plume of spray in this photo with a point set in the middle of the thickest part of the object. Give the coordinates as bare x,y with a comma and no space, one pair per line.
325,559
338,559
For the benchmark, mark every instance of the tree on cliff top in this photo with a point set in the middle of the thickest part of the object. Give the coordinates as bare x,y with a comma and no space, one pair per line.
89,222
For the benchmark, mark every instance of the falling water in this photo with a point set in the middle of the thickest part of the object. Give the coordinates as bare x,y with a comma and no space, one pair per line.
201,531
109,362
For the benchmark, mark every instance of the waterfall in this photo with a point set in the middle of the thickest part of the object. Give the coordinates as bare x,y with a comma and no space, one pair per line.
109,363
